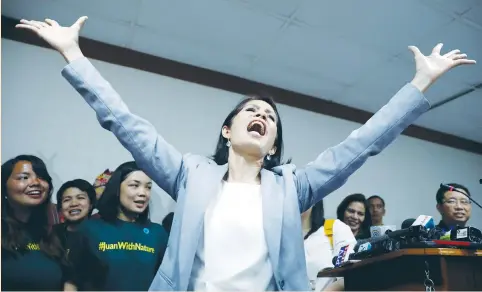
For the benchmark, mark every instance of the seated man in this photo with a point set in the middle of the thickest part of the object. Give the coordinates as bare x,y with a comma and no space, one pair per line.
454,206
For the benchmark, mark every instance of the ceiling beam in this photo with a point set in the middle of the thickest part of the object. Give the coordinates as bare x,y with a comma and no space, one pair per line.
137,60
455,96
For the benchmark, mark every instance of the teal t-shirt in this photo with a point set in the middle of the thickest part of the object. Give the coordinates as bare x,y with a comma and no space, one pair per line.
31,271
132,251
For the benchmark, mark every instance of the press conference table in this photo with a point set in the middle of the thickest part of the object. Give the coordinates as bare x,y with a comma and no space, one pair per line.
404,270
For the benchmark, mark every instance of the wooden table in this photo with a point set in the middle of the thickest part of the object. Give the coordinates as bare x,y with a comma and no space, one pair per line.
449,269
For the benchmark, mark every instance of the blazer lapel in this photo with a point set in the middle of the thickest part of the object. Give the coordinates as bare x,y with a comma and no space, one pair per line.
272,199
207,182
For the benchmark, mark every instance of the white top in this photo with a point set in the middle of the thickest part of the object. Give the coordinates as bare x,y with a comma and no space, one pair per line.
234,254
319,253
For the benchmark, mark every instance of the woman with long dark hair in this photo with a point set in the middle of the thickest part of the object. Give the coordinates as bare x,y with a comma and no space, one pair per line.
353,211
237,219
32,255
323,240
124,239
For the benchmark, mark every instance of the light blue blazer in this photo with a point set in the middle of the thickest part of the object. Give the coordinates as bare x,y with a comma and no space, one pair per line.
193,180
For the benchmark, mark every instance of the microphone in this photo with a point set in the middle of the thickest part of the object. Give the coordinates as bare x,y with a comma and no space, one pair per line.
367,244
343,255
466,233
424,221
407,223
417,229
381,230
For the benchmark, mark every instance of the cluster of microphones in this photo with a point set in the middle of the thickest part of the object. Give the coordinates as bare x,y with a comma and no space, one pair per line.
420,232
415,233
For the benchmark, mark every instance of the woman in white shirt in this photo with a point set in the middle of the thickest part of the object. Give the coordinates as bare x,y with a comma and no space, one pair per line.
320,249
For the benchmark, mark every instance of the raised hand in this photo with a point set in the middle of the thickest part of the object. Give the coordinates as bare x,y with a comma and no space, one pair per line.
430,68
63,39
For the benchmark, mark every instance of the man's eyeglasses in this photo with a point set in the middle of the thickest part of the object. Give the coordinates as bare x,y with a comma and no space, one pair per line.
450,188
453,202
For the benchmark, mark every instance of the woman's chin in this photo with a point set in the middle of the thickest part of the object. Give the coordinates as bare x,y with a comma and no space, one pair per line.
253,148
137,210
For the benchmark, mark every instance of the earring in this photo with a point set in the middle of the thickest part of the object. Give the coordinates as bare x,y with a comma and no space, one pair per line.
228,143
268,157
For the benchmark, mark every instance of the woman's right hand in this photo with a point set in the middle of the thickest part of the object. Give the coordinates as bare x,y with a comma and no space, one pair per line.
63,39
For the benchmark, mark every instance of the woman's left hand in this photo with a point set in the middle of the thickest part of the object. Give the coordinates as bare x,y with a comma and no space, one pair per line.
430,68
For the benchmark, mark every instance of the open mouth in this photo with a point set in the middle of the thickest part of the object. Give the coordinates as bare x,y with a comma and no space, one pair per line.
34,193
74,212
140,203
257,126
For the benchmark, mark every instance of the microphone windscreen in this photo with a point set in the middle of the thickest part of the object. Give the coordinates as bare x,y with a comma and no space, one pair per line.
381,230
407,223
424,221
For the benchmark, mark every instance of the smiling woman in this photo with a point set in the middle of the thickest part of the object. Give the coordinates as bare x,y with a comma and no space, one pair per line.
124,239
353,211
237,220
76,199
32,255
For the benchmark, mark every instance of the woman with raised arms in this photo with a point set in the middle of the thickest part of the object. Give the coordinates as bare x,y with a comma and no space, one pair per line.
237,221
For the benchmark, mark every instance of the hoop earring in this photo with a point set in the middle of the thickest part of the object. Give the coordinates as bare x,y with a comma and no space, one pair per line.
228,143
268,157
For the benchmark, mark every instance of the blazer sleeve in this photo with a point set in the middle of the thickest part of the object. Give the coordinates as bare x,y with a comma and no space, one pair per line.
160,160
331,169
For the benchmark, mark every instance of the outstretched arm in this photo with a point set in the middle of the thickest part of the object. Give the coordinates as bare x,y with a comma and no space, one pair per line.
332,168
160,161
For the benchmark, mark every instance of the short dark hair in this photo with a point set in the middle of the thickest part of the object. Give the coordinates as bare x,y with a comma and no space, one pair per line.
377,197
442,190
340,211
80,184
109,203
222,150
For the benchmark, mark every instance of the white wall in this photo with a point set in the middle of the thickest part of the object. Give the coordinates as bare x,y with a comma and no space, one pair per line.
43,115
